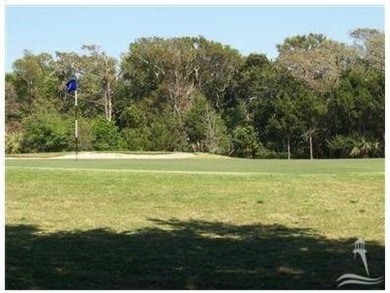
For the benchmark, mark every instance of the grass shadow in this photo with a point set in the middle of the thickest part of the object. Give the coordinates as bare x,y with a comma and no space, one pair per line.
183,255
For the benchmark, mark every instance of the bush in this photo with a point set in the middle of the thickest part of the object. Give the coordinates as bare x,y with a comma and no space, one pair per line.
135,139
85,134
195,124
365,148
165,134
341,146
355,147
105,136
244,142
45,132
132,117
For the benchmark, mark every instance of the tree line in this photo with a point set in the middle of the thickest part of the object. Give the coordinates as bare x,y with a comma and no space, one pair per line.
318,99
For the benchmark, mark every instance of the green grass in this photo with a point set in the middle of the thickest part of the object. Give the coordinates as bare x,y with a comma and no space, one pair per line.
213,165
191,224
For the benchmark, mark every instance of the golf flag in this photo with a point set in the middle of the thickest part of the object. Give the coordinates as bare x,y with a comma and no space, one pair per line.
71,85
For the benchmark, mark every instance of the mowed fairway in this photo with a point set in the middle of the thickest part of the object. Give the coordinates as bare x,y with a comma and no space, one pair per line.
198,223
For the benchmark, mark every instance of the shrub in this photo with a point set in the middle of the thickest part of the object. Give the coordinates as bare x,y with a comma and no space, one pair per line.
85,135
105,136
45,132
365,148
165,134
341,146
244,142
135,139
356,147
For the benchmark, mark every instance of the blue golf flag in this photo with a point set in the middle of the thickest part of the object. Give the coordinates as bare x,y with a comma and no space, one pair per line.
71,85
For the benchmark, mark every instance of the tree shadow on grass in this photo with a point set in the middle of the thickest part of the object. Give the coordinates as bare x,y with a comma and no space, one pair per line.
183,255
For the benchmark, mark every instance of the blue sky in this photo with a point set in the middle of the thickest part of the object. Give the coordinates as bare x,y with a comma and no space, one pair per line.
248,29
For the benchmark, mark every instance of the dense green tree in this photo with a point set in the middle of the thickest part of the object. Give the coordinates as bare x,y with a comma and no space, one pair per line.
205,128
216,65
252,94
356,109
285,118
195,125
244,142
172,71
165,133
311,109
105,136
165,64
45,131
34,81
319,97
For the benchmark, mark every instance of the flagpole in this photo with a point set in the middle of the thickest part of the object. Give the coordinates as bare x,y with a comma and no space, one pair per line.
75,123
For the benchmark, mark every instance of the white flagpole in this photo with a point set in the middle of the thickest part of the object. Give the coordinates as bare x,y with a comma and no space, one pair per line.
75,123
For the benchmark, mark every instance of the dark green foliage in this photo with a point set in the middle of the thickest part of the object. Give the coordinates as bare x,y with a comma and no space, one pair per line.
319,99
357,108
205,128
195,125
245,143
165,134
134,131
105,136
341,146
132,117
355,147
135,139
85,134
45,131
